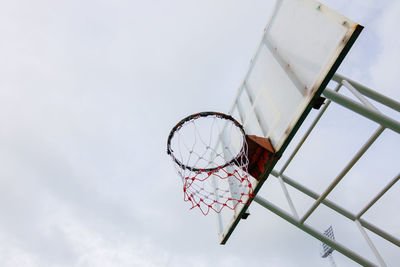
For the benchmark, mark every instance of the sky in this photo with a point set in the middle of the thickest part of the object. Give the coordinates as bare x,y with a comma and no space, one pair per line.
89,91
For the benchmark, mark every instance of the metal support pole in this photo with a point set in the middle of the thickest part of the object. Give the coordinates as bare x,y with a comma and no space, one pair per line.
353,161
359,95
338,209
370,244
305,136
384,100
379,195
377,117
288,198
313,232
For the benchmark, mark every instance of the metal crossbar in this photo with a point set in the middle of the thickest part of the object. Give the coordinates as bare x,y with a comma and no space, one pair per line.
313,232
342,211
369,111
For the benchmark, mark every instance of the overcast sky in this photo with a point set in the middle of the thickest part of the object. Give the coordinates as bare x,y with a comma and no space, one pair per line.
89,91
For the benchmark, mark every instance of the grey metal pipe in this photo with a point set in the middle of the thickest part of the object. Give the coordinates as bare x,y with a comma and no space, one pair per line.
353,161
379,118
379,195
370,244
313,232
309,130
338,209
384,100
360,96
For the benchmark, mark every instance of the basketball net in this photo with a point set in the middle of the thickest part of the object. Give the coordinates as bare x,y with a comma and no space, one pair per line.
209,151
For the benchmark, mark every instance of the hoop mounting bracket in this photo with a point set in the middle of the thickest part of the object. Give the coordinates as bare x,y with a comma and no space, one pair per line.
260,154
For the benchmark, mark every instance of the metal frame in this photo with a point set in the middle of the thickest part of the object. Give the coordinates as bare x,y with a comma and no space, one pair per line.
363,107
367,110
244,89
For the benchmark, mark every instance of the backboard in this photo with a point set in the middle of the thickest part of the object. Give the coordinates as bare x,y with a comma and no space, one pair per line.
300,50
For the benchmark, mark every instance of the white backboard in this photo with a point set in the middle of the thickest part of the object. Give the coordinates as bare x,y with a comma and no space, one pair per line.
301,48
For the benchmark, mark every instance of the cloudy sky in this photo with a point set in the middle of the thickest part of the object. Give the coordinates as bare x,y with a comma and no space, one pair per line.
89,91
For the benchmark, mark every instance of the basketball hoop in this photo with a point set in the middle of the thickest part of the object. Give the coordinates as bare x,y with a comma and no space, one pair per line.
202,158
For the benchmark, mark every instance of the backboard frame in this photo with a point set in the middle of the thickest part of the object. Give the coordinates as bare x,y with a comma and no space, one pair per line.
348,41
